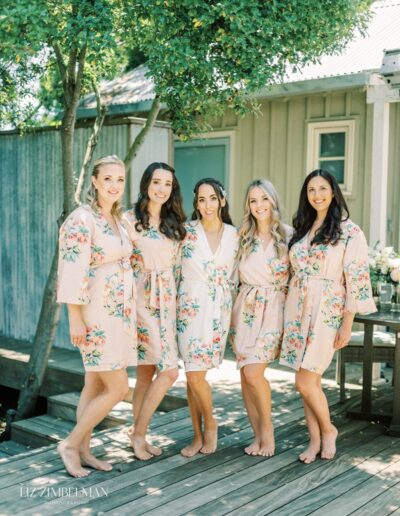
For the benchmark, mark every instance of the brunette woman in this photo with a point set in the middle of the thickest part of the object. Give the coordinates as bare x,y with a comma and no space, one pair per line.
257,318
205,303
156,229
330,283
95,281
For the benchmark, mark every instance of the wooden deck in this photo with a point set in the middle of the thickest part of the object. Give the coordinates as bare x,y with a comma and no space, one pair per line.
363,479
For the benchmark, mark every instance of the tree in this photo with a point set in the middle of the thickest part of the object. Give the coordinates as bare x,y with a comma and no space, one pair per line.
206,56
203,56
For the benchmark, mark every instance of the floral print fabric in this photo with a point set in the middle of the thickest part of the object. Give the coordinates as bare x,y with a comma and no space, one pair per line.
153,261
205,297
257,317
327,280
94,271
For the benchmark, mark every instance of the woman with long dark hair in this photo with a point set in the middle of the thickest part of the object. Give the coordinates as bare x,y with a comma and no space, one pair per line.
204,304
329,284
95,281
257,317
156,229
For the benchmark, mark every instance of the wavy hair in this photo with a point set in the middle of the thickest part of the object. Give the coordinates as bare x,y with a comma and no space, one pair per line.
172,216
248,227
220,192
92,195
330,231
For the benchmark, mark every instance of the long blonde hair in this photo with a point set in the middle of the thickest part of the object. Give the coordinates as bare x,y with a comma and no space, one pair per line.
92,197
248,228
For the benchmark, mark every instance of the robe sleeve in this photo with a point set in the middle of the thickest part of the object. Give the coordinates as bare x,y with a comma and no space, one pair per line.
356,270
177,263
75,243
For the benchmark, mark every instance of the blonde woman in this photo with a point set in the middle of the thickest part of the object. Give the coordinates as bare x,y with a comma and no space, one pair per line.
257,318
95,281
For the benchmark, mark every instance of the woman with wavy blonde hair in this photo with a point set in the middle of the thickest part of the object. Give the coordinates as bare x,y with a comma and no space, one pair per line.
95,282
257,318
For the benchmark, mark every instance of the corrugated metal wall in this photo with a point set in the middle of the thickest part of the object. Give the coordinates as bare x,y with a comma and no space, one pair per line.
30,202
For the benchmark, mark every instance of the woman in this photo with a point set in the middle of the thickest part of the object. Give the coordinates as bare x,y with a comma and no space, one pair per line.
95,281
204,304
330,283
156,229
257,318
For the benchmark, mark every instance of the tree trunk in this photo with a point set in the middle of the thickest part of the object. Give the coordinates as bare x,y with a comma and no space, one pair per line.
136,144
45,334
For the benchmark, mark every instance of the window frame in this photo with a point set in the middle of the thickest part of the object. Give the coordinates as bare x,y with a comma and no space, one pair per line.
315,129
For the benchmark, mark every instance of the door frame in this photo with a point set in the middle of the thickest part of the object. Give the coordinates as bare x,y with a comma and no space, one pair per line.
229,154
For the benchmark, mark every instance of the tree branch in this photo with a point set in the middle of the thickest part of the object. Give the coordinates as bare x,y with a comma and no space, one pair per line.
60,62
92,143
134,148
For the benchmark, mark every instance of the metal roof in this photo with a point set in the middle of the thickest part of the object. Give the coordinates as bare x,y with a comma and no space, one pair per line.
134,91
363,54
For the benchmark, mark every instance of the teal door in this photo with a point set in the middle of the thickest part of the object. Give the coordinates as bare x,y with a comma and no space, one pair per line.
197,159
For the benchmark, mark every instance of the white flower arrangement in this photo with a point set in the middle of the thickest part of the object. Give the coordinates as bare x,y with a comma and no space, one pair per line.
384,265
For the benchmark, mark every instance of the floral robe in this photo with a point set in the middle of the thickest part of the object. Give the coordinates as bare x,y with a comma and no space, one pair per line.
153,261
205,297
327,280
257,317
94,271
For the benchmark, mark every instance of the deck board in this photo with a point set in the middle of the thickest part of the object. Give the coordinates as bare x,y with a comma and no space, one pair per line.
364,477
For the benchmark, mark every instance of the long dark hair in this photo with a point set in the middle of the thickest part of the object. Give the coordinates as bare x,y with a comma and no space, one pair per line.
329,232
172,216
221,195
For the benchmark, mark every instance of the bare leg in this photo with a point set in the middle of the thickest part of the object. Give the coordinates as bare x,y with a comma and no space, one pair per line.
254,447
310,388
144,377
115,389
93,387
195,413
202,392
152,399
260,392
314,446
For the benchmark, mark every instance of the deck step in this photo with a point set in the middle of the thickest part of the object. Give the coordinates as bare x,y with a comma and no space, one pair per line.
64,406
40,431
10,449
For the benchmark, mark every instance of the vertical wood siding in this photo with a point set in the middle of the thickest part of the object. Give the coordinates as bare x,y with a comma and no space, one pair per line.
30,203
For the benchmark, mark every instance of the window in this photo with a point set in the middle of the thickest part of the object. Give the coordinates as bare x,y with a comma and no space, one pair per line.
331,147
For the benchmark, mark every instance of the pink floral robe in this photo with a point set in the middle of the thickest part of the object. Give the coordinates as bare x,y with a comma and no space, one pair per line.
257,317
205,297
94,271
327,280
153,261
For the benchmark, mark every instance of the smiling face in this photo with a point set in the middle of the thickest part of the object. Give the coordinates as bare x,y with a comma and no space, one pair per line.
109,183
208,203
160,187
260,205
319,195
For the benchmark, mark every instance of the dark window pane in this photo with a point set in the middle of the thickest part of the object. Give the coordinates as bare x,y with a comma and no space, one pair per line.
332,144
335,167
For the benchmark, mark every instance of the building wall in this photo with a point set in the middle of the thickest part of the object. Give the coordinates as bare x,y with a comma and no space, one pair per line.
273,144
30,203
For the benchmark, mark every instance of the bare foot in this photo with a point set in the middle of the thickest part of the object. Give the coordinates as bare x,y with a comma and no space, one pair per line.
210,440
89,460
153,450
140,448
329,444
70,458
267,444
253,448
310,453
193,448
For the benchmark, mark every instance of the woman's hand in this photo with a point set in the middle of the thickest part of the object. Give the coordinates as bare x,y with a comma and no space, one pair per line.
77,327
343,335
